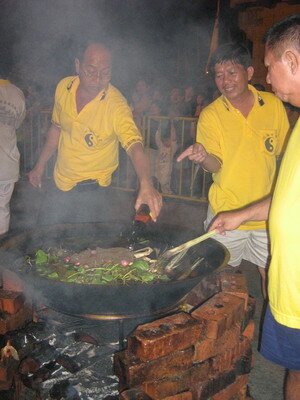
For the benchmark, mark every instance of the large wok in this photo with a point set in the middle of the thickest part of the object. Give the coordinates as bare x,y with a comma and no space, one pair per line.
106,300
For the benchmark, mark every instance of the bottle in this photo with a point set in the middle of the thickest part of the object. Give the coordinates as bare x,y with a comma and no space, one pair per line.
143,214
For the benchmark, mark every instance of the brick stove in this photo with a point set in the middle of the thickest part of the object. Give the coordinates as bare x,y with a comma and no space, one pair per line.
201,351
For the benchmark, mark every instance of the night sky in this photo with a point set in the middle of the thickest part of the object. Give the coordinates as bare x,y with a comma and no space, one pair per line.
146,36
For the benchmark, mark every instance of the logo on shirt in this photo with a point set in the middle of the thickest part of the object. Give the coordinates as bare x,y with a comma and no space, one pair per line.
269,144
89,139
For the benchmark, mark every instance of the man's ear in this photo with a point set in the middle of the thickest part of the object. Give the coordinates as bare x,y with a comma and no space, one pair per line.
250,72
291,59
77,65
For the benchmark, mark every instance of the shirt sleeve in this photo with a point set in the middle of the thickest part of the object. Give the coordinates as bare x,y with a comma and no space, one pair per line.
124,125
57,107
209,132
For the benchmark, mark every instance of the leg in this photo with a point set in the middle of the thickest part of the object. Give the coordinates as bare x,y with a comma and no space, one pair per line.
263,275
292,385
257,252
6,191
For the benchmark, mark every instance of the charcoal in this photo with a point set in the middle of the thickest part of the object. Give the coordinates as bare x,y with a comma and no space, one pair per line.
68,363
28,365
64,390
84,337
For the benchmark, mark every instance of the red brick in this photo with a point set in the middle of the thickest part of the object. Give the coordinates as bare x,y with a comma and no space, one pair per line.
249,331
132,372
134,394
232,390
220,313
203,390
164,336
207,348
15,321
11,281
236,284
229,357
249,314
11,302
159,389
180,396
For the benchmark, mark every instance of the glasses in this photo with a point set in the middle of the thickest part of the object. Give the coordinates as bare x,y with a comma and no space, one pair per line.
94,73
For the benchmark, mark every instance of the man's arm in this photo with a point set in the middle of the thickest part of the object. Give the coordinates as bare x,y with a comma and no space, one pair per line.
35,175
147,193
230,220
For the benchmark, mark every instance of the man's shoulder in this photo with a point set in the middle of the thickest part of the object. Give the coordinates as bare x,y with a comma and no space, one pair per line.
213,108
113,92
66,83
14,91
269,97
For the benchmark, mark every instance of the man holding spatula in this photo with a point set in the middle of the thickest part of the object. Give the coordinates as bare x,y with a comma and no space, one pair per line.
280,341
239,137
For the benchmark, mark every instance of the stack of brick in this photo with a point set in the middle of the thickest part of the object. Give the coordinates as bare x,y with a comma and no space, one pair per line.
14,311
202,354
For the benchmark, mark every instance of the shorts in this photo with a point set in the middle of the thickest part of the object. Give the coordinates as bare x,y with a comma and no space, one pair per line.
280,344
6,190
250,245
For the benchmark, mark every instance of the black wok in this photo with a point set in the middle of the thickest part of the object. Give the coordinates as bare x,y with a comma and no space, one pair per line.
106,300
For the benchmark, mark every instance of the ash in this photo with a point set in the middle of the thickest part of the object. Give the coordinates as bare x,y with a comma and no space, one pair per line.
74,358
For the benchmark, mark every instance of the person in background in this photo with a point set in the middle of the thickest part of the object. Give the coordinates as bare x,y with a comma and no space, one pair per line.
167,145
280,342
140,101
239,137
189,103
199,105
90,118
12,113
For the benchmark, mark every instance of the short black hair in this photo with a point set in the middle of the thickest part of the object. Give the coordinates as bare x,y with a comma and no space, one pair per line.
283,34
84,44
235,52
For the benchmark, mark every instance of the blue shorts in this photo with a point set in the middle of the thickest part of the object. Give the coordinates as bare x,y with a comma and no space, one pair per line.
280,344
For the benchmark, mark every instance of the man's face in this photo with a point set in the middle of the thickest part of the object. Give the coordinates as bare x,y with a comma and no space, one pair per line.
232,79
95,68
279,76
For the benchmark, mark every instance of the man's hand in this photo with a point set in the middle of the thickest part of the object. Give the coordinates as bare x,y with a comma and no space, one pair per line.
195,153
227,221
150,196
35,177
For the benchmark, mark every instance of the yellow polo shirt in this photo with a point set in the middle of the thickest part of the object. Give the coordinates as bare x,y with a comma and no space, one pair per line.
89,141
247,149
283,275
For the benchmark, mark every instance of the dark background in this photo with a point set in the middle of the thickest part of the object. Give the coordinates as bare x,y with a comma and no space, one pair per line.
162,40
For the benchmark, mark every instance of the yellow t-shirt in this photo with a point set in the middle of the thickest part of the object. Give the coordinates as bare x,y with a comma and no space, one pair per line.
247,149
89,141
284,272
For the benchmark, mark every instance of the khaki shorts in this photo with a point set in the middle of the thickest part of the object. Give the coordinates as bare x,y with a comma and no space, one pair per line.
6,191
250,245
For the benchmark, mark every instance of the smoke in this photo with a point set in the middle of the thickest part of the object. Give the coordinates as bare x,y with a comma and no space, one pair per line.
147,37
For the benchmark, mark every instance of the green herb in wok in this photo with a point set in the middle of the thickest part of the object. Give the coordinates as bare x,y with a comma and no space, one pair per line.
58,264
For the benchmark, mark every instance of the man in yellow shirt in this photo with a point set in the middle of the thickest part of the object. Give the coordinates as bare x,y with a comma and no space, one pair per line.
281,329
90,118
239,137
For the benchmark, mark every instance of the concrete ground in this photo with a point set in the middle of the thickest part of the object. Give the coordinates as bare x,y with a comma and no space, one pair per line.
266,379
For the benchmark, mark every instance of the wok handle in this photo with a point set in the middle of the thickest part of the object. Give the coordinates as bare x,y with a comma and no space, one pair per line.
192,242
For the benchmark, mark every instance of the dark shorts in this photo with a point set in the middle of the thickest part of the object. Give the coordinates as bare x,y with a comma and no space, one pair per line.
280,344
